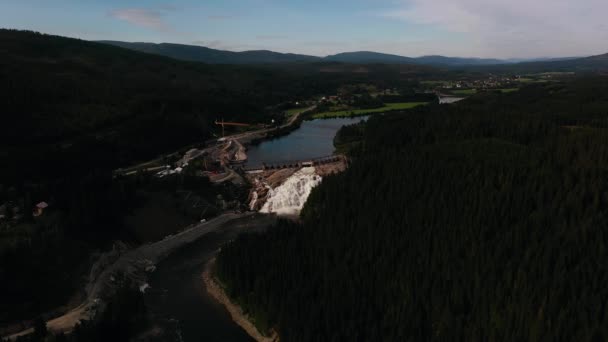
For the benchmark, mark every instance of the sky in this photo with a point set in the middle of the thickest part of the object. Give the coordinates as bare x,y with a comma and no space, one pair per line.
464,28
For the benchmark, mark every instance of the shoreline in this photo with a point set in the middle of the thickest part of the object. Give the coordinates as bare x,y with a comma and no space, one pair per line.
366,112
235,311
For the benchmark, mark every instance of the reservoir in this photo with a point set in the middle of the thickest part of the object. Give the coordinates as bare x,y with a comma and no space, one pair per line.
313,139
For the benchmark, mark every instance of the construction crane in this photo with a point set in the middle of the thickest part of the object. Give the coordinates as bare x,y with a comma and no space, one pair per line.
224,123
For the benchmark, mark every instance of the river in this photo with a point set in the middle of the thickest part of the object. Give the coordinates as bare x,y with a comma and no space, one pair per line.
176,298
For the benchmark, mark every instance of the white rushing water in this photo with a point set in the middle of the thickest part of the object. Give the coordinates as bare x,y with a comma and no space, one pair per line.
289,197
254,199
144,287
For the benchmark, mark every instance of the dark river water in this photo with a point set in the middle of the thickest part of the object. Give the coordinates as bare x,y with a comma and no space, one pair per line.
177,298
312,140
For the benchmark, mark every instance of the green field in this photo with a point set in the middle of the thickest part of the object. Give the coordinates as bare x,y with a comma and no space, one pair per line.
532,80
293,111
467,92
433,82
357,112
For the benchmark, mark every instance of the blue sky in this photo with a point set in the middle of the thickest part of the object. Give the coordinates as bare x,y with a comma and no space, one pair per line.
482,28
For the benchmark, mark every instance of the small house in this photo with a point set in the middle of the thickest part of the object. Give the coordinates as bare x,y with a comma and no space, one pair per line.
39,209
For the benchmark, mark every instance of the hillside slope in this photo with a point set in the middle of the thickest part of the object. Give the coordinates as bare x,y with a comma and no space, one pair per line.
63,88
213,56
369,57
480,221
375,57
592,64
458,61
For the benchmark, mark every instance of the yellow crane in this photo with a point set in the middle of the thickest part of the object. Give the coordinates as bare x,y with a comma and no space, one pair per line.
224,123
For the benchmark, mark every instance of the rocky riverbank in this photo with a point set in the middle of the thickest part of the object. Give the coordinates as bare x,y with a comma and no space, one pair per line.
216,291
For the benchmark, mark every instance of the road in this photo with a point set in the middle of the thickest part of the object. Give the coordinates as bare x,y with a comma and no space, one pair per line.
297,115
242,137
238,154
134,264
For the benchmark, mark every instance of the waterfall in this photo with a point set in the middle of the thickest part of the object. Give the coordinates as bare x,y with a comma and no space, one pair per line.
289,197
254,199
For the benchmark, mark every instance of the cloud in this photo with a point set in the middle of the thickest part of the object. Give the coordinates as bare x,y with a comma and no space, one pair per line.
514,27
152,19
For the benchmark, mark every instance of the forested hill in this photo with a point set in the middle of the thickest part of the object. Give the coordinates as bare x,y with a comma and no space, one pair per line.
593,64
57,88
375,57
213,56
481,221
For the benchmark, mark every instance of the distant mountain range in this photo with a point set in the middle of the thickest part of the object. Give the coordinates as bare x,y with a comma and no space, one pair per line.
213,56
598,63
376,57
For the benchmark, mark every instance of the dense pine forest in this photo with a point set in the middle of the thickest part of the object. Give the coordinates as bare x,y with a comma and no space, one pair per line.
480,221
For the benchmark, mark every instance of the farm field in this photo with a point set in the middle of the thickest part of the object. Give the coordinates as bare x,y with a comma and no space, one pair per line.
357,112
431,82
466,92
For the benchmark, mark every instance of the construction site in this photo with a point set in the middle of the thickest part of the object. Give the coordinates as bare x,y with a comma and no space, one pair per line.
225,159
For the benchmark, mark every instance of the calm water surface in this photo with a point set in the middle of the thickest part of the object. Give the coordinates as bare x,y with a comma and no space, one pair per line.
312,140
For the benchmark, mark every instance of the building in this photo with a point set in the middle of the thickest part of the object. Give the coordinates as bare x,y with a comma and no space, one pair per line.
2,212
39,209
